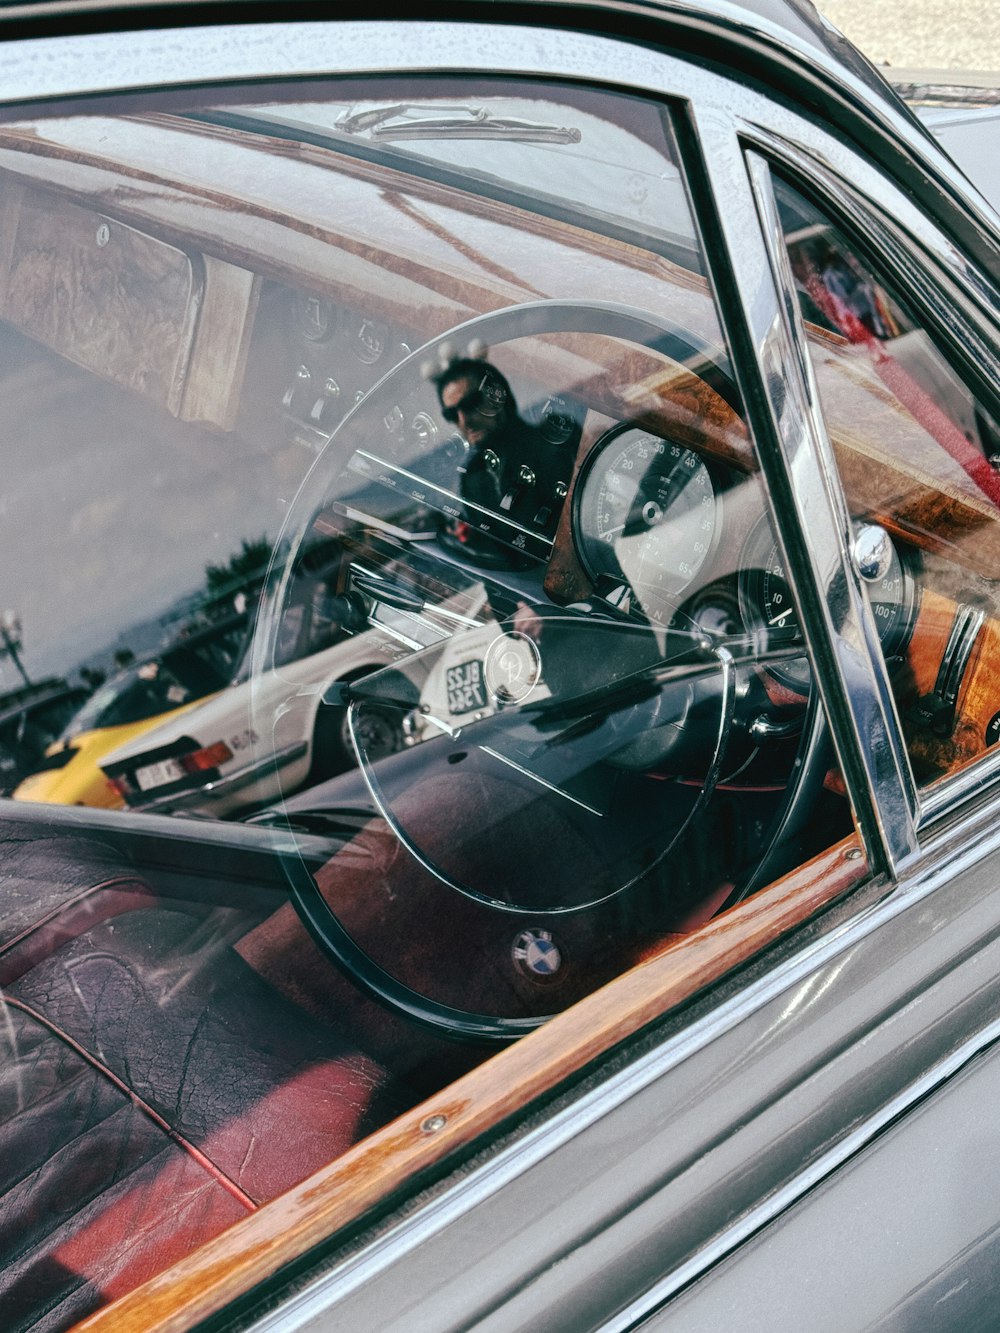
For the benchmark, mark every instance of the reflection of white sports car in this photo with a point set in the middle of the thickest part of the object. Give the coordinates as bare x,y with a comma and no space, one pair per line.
217,759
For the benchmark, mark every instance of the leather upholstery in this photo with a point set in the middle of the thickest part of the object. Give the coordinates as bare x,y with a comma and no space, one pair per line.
153,1088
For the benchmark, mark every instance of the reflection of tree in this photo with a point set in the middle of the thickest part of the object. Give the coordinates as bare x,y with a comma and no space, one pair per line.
249,563
243,573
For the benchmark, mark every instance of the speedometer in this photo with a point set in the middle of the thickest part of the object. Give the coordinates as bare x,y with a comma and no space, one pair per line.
646,515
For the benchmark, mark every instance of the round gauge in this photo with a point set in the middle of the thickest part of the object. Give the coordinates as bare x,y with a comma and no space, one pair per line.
646,515
369,341
767,607
314,316
766,602
557,420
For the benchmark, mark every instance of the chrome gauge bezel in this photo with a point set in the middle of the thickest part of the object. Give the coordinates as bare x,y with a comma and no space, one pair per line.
657,605
762,582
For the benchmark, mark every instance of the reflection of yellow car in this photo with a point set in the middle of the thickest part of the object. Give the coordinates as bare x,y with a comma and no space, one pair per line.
130,703
70,774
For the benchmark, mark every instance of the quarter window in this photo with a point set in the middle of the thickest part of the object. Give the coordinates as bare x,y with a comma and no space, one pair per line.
919,458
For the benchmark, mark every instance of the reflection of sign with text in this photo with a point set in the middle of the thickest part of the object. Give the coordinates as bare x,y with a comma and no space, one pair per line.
512,667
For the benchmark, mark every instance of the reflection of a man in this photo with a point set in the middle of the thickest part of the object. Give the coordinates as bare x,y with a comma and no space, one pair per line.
512,470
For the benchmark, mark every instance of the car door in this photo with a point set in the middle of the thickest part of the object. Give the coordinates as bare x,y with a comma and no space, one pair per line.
585,1175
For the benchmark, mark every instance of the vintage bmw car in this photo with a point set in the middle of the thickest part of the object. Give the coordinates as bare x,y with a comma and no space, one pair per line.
637,364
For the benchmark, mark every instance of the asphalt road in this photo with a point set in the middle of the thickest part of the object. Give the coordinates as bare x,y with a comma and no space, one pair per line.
917,35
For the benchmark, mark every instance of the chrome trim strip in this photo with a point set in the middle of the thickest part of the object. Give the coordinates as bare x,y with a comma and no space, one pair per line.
799,468
965,629
872,733
783,1199
952,792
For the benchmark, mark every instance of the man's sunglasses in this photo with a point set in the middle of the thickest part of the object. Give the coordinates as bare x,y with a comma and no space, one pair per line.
487,399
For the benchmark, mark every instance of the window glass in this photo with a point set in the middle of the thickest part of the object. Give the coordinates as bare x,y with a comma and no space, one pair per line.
919,458
375,468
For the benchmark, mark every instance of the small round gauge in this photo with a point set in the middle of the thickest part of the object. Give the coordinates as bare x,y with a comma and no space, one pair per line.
767,607
557,421
766,602
647,514
369,340
314,316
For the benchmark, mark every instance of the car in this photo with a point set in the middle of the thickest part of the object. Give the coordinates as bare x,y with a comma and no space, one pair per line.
31,717
211,759
141,696
621,383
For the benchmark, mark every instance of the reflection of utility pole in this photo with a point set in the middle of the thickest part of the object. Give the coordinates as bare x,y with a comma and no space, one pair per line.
10,629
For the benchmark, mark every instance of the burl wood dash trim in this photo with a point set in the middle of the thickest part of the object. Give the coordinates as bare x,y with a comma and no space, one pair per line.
95,290
341,1193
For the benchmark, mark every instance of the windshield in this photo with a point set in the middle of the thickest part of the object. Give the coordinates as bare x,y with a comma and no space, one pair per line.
608,167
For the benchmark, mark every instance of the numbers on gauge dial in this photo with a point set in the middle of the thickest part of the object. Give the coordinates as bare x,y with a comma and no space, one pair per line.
647,513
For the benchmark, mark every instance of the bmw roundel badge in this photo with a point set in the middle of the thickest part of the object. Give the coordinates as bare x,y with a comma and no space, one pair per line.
536,954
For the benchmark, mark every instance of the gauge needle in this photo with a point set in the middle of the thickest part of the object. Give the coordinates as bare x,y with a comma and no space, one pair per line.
782,615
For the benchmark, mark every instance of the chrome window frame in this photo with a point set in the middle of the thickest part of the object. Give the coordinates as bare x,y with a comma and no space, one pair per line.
947,314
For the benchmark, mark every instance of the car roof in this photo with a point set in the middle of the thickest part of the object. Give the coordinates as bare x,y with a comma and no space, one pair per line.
970,136
787,45
792,23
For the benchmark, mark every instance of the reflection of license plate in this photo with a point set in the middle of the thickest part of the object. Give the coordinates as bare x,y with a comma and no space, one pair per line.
158,775
466,690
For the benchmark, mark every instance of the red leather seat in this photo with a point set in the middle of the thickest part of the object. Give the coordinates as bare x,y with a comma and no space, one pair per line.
153,1088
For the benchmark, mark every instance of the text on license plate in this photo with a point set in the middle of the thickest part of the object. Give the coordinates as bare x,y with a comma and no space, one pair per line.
465,687
158,775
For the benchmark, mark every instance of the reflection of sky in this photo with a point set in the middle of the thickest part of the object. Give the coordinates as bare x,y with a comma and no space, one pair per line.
111,510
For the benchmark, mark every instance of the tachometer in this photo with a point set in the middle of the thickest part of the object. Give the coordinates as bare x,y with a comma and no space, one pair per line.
766,600
647,514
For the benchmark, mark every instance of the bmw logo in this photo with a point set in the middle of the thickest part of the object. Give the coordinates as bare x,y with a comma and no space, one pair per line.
536,954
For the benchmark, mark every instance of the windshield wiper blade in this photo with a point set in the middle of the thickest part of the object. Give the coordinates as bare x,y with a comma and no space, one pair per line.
489,127
467,122
367,120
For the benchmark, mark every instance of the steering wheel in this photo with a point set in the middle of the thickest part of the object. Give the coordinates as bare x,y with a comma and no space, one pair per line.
566,763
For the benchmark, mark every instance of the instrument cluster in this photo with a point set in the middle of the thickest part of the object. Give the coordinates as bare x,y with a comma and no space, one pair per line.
671,535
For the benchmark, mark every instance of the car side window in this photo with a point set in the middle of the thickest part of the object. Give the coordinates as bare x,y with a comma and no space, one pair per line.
919,458
429,386
378,465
